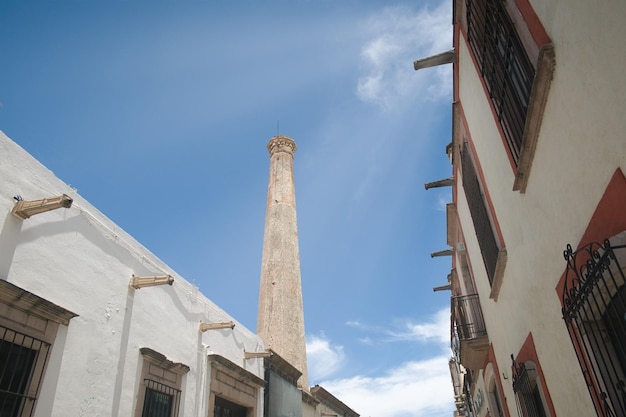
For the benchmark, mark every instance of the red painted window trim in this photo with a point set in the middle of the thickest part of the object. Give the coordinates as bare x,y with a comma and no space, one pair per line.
535,27
539,36
481,176
491,358
529,353
608,219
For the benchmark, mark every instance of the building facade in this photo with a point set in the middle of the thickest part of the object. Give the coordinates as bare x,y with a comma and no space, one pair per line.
537,222
93,324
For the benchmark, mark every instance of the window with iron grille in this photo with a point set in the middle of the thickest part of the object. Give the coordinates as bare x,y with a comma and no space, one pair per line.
225,408
527,390
480,215
22,362
594,311
160,400
160,393
504,66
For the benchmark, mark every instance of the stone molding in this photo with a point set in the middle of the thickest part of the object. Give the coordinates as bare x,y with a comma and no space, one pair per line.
20,299
235,370
278,364
281,144
161,361
333,402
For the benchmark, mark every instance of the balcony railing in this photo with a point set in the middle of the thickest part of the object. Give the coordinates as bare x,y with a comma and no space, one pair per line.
469,333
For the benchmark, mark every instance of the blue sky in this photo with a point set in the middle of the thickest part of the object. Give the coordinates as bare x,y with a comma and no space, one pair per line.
158,112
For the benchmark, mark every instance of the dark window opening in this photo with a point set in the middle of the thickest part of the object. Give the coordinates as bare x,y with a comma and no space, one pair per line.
224,408
494,400
480,215
22,360
504,66
526,389
160,400
594,308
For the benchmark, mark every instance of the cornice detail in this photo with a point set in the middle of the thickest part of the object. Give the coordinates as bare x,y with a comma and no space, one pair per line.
281,144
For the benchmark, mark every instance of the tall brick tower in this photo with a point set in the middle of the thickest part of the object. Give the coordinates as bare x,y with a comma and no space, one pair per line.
280,321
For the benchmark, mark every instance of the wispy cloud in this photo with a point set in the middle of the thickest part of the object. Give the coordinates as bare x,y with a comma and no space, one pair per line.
398,36
324,358
436,329
354,323
411,389
414,389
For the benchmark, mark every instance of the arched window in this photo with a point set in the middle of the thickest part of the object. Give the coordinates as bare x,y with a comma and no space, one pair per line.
493,393
527,389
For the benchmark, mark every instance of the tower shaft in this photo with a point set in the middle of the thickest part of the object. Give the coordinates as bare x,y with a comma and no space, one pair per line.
280,321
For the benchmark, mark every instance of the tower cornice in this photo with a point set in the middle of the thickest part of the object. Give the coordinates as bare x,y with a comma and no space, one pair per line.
281,144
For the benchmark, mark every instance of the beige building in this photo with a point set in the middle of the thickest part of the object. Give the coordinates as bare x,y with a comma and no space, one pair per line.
538,218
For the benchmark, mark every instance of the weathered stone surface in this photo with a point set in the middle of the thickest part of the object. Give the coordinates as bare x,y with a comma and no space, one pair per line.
281,316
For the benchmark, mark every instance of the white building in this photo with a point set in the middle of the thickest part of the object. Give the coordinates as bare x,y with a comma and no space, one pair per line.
538,158
77,339
93,324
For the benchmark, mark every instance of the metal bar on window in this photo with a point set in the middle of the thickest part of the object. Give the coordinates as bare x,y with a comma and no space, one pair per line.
22,363
504,66
594,311
480,216
160,400
527,396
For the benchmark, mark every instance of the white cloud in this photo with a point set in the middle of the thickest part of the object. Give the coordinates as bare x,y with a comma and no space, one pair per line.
324,359
414,389
398,36
411,389
437,329
354,323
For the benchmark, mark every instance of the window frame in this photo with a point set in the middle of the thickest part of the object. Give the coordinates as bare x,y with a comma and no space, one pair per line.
528,38
232,384
594,279
526,385
161,375
24,393
26,315
494,392
492,248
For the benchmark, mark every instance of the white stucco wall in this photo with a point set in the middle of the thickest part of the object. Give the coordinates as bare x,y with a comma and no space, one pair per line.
80,260
580,146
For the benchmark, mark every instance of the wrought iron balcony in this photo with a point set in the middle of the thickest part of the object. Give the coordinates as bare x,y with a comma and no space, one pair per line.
469,330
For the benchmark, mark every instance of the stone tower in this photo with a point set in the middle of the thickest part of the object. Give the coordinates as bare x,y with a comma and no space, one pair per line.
280,321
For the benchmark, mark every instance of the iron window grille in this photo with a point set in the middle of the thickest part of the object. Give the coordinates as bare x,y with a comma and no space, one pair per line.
160,400
594,311
22,363
480,216
526,389
504,66
224,408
